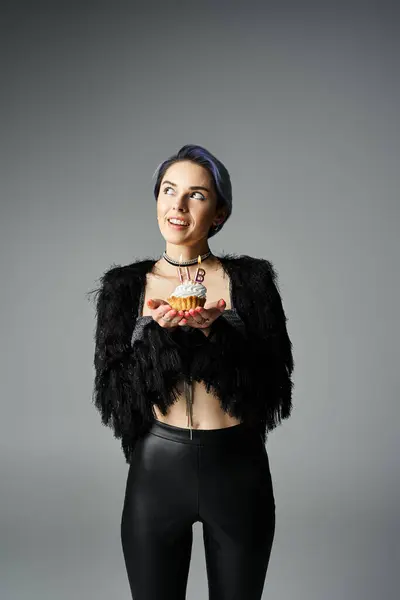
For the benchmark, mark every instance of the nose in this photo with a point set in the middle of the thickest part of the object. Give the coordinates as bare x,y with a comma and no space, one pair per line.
180,203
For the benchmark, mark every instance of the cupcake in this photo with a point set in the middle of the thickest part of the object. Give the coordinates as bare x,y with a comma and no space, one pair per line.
187,295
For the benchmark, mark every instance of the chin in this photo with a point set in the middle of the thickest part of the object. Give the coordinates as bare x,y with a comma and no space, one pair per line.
175,233
170,236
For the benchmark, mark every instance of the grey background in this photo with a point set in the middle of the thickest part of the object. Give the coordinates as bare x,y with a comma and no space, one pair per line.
301,103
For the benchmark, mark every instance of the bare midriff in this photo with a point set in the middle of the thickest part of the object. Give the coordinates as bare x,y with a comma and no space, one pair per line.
206,409
207,412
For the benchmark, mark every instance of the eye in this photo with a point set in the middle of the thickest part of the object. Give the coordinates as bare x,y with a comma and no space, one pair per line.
170,188
202,197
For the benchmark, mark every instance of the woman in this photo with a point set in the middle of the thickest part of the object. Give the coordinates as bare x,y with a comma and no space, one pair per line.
192,394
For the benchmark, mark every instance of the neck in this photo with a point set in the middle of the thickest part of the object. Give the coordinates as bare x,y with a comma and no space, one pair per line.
175,251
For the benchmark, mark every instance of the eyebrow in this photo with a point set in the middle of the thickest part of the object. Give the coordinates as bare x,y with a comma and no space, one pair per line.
192,187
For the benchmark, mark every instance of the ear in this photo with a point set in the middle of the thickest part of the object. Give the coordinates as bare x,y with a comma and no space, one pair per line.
220,217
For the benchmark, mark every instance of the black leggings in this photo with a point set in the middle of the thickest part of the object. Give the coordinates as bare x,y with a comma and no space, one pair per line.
220,478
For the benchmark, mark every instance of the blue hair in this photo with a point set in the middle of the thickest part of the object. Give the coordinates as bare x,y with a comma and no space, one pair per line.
217,170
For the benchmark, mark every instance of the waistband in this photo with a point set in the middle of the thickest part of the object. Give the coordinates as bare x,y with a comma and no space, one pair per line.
222,435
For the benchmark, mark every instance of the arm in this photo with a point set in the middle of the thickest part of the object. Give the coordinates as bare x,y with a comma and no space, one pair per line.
260,345
274,355
115,393
137,362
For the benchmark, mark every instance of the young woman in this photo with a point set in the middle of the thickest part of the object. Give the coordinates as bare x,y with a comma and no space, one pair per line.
192,394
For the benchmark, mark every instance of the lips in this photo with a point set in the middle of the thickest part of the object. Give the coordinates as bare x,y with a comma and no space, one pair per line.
178,225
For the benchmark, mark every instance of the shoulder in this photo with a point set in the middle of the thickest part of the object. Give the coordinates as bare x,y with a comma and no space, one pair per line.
121,275
266,269
258,267
121,281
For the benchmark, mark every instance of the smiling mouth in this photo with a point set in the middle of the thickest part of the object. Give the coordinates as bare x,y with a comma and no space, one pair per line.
177,225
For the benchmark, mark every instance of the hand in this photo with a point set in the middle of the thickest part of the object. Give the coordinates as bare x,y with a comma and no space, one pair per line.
164,314
203,317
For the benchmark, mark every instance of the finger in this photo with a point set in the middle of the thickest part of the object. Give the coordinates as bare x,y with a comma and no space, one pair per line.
171,317
218,304
167,314
196,316
184,319
160,315
206,314
155,303
190,320
198,310
198,320
191,316
177,319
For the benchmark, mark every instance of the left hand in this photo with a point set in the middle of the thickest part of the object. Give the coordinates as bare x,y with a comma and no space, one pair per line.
203,317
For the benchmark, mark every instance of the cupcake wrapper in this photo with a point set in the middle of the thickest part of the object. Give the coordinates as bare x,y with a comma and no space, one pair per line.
185,303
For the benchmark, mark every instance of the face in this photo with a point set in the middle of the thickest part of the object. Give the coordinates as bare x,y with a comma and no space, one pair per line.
187,192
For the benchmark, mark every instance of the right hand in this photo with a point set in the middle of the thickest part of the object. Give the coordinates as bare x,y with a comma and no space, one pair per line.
165,315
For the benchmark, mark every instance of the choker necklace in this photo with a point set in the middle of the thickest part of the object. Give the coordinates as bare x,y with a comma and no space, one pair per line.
185,263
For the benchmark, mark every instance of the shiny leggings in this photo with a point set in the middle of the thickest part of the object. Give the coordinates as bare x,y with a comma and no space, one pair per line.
221,478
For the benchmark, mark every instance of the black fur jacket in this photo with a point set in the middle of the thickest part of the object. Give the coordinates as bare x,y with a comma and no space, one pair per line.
246,360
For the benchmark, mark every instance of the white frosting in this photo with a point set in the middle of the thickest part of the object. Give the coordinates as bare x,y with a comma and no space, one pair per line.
190,289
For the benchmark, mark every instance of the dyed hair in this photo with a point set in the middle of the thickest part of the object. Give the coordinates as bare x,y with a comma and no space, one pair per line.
217,170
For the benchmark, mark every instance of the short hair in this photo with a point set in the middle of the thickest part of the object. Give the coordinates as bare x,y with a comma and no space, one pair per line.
217,170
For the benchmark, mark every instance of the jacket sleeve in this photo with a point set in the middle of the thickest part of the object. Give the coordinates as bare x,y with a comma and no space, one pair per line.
131,374
270,346
118,393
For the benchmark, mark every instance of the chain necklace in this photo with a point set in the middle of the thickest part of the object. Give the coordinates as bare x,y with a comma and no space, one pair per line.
185,263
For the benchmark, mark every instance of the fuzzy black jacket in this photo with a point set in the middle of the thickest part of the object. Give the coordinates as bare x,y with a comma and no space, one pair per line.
246,360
